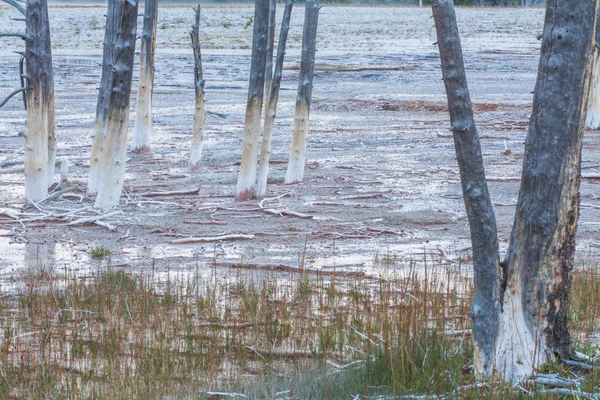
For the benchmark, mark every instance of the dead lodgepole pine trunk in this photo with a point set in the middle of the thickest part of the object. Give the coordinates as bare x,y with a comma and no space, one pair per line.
520,307
295,169
37,86
245,189
143,117
40,142
200,108
109,150
271,112
592,120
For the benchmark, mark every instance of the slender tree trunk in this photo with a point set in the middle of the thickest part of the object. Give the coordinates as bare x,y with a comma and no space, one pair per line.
245,189
113,101
143,116
295,170
480,212
593,112
269,54
200,109
40,145
270,114
520,309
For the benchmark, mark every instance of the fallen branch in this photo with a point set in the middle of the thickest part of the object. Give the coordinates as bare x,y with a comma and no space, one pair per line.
171,193
93,219
58,194
13,170
282,353
211,239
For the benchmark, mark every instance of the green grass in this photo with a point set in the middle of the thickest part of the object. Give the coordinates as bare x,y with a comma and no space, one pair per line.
115,334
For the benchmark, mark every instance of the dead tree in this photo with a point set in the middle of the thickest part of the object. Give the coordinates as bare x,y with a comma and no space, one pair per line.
273,98
200,108
109,149
245,189
37,82
143,117
520,306
295,169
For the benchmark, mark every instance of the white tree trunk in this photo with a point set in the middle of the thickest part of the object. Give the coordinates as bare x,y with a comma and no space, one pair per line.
112,164
40,143
592,120
143,116
97,155
36,148
198,134
295,170
200,109
107,164
245,189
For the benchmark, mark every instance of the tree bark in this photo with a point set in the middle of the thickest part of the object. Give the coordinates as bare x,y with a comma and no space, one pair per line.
592,120
246,184
271,112
540,257
480,212
112,116
523,305
143,117
200,108
295,170
40,145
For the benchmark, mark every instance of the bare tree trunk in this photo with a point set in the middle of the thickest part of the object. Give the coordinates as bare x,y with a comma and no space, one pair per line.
247,178
143,116
295,170
480,212
200,109
593,112
40,145
520,310
112,118
533,327
271,111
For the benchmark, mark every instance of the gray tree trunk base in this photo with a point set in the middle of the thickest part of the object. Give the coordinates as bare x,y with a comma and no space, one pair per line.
295,169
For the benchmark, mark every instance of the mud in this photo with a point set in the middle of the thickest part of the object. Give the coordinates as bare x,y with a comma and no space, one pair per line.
381,179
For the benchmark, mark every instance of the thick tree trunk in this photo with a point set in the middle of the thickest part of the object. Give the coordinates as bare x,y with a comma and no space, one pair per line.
533,327
520,310
40,145
482,221
200,109
271,111
112,118
295,169
592,120
245,189
143,116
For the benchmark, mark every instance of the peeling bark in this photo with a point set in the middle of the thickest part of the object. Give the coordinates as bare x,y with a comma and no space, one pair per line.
533,284
541,252
271,112
112,118
246,184
480,211
295,170
200,108
143,117
40,145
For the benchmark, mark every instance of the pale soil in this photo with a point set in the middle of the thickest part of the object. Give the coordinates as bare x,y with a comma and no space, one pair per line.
380,131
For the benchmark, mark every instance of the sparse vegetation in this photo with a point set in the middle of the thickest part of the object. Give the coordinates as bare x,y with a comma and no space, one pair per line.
119,335
99,252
